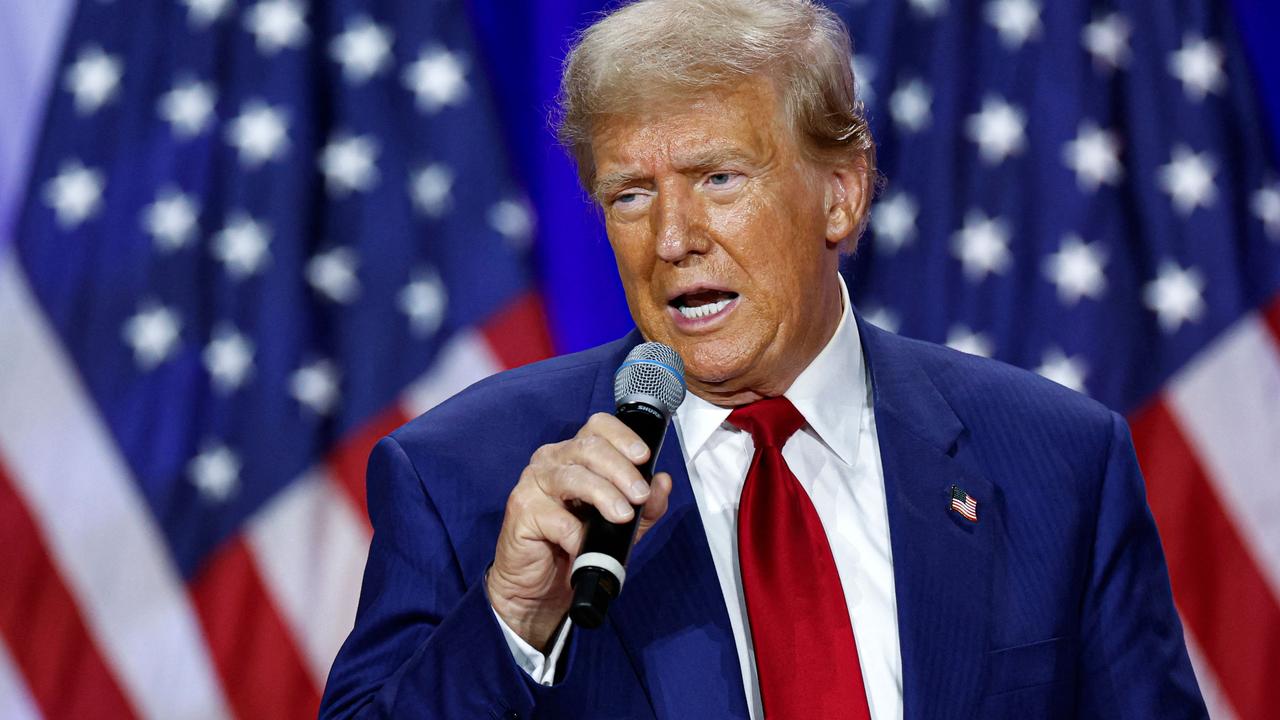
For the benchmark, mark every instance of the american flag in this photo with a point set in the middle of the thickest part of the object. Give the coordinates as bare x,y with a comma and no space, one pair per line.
1085,188
964,504
257,236
260,233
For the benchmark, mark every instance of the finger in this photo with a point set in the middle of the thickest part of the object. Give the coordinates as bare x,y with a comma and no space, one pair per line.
656,506
602,457
618,434
552,522
568,483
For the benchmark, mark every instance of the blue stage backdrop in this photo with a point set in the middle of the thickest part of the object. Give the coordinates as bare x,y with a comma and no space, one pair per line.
240,240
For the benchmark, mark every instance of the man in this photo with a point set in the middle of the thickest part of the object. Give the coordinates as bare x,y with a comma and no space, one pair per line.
846,523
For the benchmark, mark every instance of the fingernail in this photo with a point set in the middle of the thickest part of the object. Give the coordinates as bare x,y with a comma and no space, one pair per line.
637,450
623,509
639,490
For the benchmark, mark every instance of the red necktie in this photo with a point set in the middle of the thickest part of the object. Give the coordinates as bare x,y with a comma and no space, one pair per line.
805,653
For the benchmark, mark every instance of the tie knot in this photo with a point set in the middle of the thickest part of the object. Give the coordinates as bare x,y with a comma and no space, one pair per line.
770,421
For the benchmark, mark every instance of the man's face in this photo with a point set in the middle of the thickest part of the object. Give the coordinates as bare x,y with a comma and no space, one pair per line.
726,237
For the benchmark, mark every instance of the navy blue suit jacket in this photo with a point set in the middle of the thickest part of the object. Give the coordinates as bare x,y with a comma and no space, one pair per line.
1055,604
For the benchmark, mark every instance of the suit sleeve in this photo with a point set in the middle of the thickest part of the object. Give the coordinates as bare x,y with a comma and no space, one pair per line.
425,643
1133,660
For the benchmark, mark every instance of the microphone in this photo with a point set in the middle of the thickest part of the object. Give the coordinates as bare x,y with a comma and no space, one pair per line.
647,389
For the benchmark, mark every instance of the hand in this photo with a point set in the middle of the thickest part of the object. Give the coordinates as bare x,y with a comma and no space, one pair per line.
528,582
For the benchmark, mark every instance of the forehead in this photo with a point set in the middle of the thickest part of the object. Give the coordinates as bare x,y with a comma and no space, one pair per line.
745,119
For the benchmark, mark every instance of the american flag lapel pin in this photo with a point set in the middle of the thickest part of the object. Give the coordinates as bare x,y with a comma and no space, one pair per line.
963,503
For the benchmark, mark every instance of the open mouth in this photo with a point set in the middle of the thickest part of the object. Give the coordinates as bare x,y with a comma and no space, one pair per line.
703,303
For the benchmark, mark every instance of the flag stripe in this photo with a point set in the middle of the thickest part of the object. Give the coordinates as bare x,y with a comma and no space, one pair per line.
308,543
16,702
1226,402
1221,593
467,358
71,478
261,668
43,629
1210,689
517,334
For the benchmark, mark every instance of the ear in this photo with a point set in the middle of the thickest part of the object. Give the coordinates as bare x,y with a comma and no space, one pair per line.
848,198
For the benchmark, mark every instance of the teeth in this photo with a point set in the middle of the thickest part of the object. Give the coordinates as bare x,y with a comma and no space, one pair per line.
693,313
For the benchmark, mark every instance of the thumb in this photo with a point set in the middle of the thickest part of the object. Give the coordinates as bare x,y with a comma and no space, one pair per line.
656,506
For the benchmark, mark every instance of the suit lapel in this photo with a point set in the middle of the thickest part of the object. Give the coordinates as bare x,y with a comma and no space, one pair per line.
671,616
942,563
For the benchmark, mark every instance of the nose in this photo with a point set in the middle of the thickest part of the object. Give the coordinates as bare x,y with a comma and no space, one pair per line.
678,224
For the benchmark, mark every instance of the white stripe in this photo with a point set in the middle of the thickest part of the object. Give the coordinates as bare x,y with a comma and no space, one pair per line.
1214,699
464,360
310,547
99,529
16,702
1227,401
605,562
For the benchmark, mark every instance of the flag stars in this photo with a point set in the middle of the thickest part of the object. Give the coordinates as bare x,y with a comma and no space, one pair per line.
75,193
1198,66
1076,270
437,79
1265,204
333,275
982,246
348,164
1068,372
228,358
893,220
1175,296
864,73
202,13
998,129
259,133
93,79
315,387
1107,40
513,220
928,8
188,108
1094,156
431,188
363,50
152,333
424,300
1188,179
171,219
276,25
215,472
883,318
1016,20
966,340
242,246
910,106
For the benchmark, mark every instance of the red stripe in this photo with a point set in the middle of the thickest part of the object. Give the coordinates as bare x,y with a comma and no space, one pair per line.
1272,316
518,333
1221,593
348,460
42,626
261,669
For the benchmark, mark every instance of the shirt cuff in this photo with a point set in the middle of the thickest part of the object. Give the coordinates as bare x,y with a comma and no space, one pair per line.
540,667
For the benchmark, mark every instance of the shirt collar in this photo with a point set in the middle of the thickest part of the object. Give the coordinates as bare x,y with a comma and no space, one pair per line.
830,393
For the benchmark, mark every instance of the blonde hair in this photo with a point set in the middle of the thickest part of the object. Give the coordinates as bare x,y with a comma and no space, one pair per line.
652,50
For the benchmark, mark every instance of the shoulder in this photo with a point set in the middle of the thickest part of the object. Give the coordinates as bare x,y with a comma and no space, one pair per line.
1010,412
513,406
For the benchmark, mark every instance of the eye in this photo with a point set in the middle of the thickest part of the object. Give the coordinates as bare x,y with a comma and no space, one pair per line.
720,178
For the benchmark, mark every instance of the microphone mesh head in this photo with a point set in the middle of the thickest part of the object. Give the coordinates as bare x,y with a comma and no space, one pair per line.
652,373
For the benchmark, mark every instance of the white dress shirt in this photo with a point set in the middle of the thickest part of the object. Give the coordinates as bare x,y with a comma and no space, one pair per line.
836,458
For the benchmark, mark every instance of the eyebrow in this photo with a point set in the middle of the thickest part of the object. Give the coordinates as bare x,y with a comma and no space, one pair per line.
698,162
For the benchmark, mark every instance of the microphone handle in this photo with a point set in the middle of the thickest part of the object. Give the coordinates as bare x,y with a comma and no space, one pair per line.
600,568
